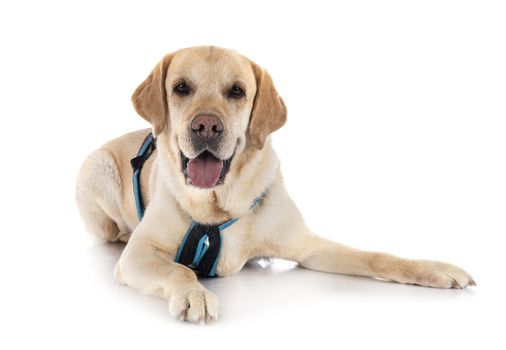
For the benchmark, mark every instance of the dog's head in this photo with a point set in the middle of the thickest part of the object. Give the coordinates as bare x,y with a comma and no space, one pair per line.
211,104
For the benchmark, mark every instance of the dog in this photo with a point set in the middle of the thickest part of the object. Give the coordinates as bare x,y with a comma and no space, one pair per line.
211,112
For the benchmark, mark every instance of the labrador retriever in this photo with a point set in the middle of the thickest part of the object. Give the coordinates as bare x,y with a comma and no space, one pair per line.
212,111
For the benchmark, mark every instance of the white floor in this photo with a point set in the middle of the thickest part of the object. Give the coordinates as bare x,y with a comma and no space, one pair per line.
69,299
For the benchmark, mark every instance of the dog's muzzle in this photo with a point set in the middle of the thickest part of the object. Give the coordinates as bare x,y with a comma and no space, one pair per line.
205,170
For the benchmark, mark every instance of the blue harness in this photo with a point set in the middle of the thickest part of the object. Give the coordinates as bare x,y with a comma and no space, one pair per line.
201,245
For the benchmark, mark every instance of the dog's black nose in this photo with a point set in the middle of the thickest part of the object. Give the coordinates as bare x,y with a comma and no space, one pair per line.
207,126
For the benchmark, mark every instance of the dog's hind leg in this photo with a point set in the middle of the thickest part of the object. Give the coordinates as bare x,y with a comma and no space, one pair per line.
98,195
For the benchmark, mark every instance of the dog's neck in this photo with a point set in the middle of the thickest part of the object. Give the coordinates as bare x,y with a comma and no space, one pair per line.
251,174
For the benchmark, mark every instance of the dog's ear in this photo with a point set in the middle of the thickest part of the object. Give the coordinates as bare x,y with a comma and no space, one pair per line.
150,98
269,110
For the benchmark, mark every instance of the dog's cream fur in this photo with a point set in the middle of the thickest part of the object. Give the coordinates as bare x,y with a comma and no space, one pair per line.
275,228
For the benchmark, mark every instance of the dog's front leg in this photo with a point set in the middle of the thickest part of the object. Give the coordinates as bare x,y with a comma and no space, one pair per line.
321,254
289,238
145,266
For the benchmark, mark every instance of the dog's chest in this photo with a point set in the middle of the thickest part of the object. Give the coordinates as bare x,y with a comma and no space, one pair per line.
235,249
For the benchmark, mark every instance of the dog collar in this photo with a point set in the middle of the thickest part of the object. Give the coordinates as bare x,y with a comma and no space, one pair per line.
201,245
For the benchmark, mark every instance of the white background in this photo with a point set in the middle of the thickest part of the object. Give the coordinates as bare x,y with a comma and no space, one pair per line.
395,142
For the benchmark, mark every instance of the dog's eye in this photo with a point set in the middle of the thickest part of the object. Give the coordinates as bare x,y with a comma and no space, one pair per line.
182,89
236,92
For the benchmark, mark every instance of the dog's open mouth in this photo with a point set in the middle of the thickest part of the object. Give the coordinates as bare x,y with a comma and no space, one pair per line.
205,171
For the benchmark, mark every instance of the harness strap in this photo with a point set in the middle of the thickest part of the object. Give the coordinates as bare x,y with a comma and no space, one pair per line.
148,146
201,246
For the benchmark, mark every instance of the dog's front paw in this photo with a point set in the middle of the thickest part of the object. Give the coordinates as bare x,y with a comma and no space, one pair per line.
194,304
439,275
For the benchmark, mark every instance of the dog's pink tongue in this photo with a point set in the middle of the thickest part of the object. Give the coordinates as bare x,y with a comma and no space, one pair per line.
204,171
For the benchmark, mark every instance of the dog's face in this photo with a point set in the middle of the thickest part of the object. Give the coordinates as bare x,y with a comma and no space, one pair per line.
210,95
212,103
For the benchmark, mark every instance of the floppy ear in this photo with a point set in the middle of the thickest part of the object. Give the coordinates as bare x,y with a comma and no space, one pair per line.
150,98
269,110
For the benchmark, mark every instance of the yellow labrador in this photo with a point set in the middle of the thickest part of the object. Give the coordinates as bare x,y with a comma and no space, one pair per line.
212,111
